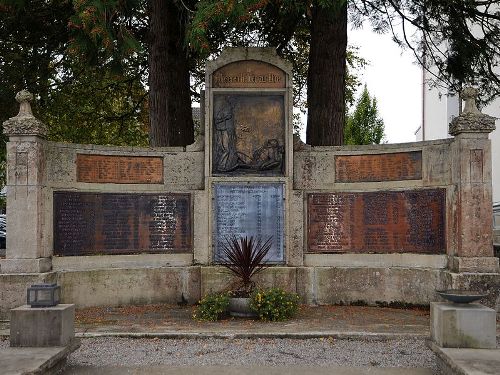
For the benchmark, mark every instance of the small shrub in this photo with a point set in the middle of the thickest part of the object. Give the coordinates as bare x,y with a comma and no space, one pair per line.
212,307
274,304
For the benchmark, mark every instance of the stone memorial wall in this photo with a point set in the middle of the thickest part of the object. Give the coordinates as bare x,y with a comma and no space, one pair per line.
389,223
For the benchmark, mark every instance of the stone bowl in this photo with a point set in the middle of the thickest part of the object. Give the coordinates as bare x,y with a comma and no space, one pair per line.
461,296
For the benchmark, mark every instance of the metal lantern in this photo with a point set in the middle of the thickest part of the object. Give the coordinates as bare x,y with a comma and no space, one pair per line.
43,295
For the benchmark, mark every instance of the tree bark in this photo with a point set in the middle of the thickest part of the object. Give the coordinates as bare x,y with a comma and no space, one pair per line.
170,116
326,76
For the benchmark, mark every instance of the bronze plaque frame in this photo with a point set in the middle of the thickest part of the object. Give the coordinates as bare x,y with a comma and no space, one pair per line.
379,167
410,221
249,209
121,223
248,134
119,169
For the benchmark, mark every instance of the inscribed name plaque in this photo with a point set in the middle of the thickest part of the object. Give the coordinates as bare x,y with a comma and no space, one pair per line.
108,223
377,222
248,135
119,169
249,210
379,167
248,74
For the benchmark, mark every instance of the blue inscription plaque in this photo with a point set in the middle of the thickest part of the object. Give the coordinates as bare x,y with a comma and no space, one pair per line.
249,210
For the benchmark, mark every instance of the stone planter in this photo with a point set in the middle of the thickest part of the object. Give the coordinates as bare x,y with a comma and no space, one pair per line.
240,307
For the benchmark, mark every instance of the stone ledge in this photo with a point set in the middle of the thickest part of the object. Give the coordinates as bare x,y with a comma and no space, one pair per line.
474,264
466,361
38,265
376,260
36,360
96,262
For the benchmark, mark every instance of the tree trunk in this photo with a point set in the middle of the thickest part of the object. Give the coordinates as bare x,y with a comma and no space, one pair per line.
170,117
326,76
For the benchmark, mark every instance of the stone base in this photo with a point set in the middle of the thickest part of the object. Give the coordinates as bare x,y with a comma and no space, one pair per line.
40,327
463,325
38,265
474,264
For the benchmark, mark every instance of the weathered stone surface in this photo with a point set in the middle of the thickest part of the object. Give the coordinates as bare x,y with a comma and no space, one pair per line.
44,326
18,265
185,170
313,170
487,283
80,263
471,120
463,325
295,253
332,285
472,205
24,124
377,260
113,287
26,223
475,264
13,289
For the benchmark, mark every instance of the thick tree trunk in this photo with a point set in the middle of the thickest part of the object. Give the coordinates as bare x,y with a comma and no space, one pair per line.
326,77
170,117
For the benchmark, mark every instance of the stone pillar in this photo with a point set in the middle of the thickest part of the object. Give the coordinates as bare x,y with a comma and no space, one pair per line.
27,249
472,249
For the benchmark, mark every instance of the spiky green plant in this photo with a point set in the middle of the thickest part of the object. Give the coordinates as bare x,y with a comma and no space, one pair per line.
244,257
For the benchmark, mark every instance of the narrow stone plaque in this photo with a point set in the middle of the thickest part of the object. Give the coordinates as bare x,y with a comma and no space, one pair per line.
248,135
377,222
119,169
249,210
105,223
247,74
379,167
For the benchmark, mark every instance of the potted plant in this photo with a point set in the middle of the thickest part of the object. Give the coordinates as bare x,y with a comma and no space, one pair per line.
244,257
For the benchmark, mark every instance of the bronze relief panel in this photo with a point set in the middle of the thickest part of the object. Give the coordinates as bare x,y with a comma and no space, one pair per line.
248,135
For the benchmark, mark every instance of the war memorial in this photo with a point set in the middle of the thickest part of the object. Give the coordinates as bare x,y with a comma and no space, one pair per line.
380,224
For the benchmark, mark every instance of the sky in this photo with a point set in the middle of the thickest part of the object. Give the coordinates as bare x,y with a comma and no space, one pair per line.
394,78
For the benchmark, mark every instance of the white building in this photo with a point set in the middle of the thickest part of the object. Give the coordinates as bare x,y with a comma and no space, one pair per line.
439,108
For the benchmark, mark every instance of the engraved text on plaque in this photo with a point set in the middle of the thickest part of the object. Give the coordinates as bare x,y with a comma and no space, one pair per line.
119,169
249,210
105,223
379,167
377,222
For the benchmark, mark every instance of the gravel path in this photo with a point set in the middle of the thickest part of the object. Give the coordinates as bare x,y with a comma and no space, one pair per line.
269,352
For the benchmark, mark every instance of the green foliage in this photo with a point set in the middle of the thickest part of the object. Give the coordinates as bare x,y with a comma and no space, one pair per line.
364,126
98,107
212,307
244,257
274,304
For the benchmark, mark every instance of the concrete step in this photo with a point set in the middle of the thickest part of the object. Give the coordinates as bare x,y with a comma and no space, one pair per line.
246,370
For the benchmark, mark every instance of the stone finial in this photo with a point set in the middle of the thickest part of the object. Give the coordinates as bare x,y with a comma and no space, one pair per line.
471,120
24,124
470,95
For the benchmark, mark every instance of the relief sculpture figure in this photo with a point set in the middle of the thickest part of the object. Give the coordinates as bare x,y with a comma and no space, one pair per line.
247,134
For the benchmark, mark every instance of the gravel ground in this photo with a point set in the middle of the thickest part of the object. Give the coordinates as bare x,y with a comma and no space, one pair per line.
268,352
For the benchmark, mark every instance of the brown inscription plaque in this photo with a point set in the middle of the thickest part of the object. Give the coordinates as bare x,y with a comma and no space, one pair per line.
379,167
249,73
377,222
108,223
119,169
